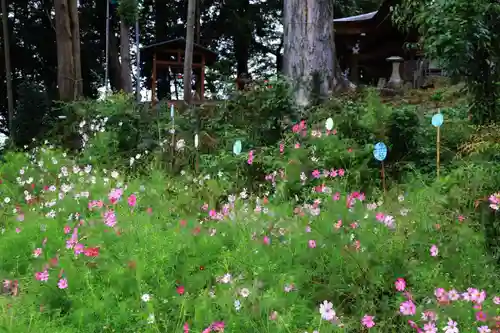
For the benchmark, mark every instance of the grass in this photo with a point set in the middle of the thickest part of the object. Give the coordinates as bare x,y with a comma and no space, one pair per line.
91,251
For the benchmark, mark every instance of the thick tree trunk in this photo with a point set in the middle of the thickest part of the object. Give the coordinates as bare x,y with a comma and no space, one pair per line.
115,69
188,55
161,31
75,42
241,49
65,59
8,68
126,71
309,48
242,38
69,78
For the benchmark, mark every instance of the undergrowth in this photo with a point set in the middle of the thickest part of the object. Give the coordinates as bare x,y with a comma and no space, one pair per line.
294,235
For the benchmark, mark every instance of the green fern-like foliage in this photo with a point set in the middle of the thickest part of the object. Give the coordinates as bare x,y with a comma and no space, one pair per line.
485,139
127,9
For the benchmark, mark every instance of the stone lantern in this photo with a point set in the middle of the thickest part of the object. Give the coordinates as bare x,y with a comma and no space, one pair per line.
395,81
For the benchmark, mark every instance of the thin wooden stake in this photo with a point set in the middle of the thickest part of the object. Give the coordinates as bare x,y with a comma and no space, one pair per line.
438,144
197,162
383,178
172,152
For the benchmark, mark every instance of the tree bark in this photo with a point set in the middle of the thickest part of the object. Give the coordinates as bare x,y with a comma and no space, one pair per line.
126,70
8,68
75,42
115,70
241,48
309,48
69,78
242,37
188,54
161,32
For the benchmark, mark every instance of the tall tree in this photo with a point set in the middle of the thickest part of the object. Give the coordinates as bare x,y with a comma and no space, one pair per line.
69,72
8,68
127,9
188,55
309,47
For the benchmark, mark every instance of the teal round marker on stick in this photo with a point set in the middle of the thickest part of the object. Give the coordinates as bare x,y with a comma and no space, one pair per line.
380,151
380,154
237,147
329,124
437,120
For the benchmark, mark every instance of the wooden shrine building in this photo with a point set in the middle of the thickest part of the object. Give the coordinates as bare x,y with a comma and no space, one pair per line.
169,55
364,42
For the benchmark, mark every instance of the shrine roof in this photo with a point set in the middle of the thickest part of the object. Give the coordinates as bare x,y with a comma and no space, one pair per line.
357,18
180,44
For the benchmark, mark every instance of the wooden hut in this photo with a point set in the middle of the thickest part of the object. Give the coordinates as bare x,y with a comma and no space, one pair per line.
364,42
169,55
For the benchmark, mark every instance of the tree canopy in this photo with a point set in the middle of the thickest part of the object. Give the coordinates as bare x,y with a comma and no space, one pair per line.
247,35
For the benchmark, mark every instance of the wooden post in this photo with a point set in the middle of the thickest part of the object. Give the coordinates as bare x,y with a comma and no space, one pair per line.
202,78
153,83
438,143
383,178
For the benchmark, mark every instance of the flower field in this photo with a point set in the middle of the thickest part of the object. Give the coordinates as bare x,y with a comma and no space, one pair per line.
84,249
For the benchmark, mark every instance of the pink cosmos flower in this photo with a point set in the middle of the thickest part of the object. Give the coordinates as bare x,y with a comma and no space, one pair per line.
115,195
42,276
480,316
110,218
434,250
312,244
37,252
367,321
79,248
400,284
62,284
407,308
250,157
430,327
132,200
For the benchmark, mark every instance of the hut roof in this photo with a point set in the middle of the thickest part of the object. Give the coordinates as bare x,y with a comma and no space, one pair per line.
180,43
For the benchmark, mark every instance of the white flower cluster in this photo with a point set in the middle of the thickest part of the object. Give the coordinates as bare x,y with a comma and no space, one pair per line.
96,125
